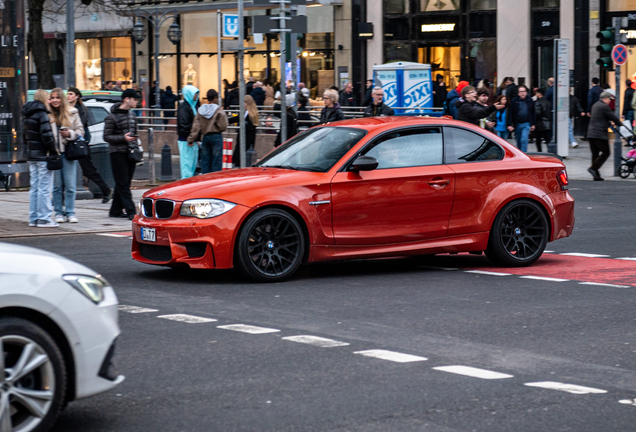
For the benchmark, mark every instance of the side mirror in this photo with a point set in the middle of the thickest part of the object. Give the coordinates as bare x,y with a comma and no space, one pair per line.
365,163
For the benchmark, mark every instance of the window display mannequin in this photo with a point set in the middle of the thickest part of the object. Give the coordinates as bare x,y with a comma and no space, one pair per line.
97,67
190,76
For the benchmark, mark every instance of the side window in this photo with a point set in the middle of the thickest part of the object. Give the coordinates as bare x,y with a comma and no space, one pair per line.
461,145
98,115
409,149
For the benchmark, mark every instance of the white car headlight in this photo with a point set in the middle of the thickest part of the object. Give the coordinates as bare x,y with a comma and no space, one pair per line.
205,208
91,287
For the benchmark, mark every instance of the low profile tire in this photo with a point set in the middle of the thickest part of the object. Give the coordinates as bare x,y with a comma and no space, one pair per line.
270,246
32,377
519,234
624,171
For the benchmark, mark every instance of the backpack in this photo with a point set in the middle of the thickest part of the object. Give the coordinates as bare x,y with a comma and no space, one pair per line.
447,105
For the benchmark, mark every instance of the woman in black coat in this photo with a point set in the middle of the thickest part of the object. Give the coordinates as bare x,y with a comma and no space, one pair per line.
40,143
251,123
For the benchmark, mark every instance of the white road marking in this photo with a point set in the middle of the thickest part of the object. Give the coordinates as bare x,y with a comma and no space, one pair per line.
248,329
473,372
628,401
391,356
627,258
570,388
190,319
604,285
135,309
549,279
585,255
114,235
548,251
487,273
316,341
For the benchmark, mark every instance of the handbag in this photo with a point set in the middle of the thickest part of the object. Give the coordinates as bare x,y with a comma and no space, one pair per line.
54,161
77,149
134,152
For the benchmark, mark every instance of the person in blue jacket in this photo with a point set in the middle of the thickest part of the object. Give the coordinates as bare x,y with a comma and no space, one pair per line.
520,117
188,154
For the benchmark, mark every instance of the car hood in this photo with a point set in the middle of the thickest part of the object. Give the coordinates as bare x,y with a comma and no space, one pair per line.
239,186
15,259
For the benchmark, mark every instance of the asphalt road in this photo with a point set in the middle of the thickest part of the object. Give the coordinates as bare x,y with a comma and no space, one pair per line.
546,348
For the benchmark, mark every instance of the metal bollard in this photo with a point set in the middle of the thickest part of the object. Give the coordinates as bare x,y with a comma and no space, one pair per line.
250,157
166,164
151,157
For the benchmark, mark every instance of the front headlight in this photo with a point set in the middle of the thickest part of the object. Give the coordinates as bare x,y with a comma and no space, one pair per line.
205,208
91,287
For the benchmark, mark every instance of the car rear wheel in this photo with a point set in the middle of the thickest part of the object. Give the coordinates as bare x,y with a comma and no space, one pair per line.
270,246
519,234
32,377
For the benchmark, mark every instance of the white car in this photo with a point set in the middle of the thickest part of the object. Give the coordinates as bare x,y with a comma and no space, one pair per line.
99,110
58,326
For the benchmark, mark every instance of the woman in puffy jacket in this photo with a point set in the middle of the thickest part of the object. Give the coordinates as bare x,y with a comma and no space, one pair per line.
40,143
332,111
67,126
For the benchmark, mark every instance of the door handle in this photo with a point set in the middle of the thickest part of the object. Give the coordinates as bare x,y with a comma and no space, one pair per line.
440,182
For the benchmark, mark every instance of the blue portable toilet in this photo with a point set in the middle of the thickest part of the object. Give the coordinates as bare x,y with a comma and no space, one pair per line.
406,84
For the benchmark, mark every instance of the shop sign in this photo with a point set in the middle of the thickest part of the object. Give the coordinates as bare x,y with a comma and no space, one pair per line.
426,28
545,23
230,25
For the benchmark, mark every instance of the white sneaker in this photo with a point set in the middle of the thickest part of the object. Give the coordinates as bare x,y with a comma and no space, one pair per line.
72,219
49,224
33,224
574,144
61,219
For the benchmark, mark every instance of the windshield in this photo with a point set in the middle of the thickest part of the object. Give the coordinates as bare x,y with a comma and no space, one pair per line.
316,149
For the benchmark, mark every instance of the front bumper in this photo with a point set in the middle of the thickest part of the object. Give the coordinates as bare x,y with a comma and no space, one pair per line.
197,243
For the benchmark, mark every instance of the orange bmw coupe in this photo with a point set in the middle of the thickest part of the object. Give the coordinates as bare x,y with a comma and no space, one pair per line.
363,188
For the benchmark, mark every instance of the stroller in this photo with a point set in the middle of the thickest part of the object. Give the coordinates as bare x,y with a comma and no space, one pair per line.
629,161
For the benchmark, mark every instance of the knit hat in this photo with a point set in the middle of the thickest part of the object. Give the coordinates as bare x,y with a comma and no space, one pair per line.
305,92
461,85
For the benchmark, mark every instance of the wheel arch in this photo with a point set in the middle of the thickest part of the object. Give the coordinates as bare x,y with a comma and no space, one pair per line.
50,327
542,205
293,212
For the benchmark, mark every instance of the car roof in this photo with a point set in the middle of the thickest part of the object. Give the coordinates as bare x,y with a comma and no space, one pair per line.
389,122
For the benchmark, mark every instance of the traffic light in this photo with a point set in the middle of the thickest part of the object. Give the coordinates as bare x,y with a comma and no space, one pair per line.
606,43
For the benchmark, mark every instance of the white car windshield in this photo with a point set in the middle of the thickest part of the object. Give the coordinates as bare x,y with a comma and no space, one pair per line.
316,149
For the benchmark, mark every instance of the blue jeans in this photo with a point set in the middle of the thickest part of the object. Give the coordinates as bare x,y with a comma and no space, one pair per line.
571,131
521,135
40,206
211,153
503,134
64,188
188,157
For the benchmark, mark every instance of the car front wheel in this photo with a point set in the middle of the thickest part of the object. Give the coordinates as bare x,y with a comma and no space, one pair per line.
32,377
270,246
519,234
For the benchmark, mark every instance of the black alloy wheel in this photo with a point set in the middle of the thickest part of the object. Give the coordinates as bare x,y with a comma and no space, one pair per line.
270,246
519,234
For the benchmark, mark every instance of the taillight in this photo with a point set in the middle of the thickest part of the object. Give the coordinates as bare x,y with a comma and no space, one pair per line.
562,178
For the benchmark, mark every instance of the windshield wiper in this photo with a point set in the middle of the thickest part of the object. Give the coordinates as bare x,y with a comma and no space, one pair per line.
289,167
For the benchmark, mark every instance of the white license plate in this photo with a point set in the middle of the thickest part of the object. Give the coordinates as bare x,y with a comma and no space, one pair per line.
148,234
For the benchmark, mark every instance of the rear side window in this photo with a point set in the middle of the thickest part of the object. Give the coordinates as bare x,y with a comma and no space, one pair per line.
461,145
410,148
98,115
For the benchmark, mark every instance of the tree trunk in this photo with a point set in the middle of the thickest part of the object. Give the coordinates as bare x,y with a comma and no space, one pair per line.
38,46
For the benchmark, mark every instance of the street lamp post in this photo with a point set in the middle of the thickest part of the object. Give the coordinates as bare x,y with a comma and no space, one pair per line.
156,19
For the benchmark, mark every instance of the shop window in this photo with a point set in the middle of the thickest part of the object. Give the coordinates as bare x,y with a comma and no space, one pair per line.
439,5
396,29
88,64
397,52
539,4
116,60
621,5
444,60
397,6
483,60
483,5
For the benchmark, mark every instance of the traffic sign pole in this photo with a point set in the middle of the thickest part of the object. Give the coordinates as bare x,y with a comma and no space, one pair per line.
618,148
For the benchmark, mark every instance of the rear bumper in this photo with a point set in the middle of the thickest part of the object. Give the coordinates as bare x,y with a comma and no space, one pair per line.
197,243
562,216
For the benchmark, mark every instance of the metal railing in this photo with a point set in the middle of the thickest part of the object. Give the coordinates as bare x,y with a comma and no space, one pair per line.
148,117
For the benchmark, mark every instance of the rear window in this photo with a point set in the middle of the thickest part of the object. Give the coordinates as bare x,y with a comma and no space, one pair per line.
461,146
